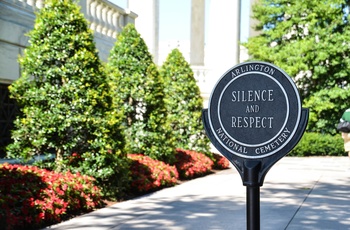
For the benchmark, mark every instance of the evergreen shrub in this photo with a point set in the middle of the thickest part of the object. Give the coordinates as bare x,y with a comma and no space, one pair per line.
65,101
184,104
141,91
326,108
316,144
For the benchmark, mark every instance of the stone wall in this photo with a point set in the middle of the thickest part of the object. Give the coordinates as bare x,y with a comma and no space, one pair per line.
17,18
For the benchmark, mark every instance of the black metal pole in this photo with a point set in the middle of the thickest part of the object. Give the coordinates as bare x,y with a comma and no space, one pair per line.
253,208
251,175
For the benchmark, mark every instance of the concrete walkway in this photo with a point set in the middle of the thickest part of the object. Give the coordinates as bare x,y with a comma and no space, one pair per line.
298,193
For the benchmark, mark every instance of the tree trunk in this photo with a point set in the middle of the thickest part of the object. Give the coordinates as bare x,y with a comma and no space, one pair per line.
58,160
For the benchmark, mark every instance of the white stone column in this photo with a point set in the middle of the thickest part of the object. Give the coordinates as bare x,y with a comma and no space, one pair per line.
147,23
197,32
223,36
222,47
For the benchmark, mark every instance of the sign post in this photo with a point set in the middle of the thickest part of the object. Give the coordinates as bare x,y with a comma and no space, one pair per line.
254,118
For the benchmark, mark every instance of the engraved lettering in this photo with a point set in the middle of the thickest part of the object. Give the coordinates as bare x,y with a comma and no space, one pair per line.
273,145
252,68
230,143
251,122
252,95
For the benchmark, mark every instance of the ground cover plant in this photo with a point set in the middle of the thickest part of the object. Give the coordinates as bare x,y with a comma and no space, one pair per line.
192,164
32,198
149,174
220,162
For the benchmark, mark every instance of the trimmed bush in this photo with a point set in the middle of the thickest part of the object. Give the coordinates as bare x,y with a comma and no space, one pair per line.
141,91
150,175
65,100
326,108
316,144
35,197
192,164
110,170
184,104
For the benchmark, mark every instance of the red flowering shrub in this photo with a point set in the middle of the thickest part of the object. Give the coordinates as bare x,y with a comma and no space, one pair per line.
220,162
35,197
192,164
149,175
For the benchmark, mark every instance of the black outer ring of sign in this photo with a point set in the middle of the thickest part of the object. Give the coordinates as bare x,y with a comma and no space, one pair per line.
282,78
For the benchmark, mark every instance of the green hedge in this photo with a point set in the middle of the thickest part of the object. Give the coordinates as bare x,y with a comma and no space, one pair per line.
316,144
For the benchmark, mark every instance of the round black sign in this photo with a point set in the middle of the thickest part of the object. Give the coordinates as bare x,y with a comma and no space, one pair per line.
254,110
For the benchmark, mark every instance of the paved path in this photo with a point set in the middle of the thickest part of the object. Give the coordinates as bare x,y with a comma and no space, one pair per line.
298,193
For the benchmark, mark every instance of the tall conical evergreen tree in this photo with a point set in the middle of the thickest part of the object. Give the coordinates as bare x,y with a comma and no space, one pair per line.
184,104
141,90
64,96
